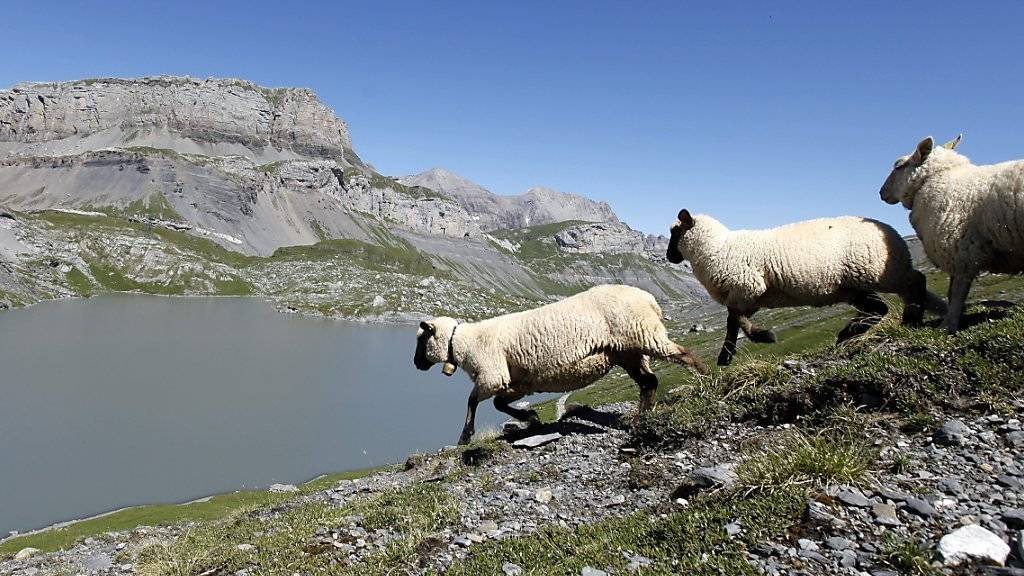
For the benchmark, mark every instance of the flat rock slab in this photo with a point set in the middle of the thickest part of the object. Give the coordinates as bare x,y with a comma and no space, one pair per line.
952,433
973,541
714,476
536,441
851,498
885,514
1014,518
920,507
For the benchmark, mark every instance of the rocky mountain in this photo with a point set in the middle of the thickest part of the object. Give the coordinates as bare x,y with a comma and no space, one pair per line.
180,185
491,211
215,117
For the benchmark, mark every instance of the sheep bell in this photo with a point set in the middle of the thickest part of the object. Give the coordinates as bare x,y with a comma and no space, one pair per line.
448,369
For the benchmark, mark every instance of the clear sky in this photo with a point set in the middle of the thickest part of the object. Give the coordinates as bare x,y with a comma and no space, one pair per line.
759,113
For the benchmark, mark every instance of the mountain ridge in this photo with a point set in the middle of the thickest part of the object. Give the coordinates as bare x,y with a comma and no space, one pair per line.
536,206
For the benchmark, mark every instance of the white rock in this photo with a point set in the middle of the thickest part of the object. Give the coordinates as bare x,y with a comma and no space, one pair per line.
245,547
543,495
535,441
26,553
282,488
973,541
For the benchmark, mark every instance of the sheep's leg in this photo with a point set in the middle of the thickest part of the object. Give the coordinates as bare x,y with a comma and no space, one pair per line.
503,404
741,321
732,332
754,332
959,287
470,427
639,369
915,300
870,311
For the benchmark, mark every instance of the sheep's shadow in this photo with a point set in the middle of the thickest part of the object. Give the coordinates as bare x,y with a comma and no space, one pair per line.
985,311
580,420
562,427
977,313
606,419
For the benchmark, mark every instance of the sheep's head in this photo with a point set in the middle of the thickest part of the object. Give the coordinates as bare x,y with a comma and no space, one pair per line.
432,340
677,241
905,177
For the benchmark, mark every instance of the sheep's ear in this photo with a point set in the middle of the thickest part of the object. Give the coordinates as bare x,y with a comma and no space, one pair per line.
924,148
685,219
427,328
952,144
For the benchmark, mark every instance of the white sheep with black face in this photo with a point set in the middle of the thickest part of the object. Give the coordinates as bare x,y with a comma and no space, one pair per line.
970,219
812,263
559,347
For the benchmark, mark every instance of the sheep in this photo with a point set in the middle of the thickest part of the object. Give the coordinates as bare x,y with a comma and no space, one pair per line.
970,219
812,263
558,347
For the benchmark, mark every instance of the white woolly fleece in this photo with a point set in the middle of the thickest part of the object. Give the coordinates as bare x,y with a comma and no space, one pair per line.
558,347
969,218
812,263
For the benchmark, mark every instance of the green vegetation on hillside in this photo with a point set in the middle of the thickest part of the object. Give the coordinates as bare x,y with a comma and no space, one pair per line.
285,544
79,282
402,257
153,206
207,509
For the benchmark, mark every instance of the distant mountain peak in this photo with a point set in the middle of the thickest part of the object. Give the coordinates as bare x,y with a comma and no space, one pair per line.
538,205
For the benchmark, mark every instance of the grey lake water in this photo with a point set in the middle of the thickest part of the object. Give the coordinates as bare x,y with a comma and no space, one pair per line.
123,400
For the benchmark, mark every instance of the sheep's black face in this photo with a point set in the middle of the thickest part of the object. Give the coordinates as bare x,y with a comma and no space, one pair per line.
683,224
423,338
673,254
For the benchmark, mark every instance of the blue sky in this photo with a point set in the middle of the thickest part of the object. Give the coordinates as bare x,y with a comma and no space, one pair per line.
758,114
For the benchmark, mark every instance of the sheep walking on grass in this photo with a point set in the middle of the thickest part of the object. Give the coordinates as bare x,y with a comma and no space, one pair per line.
813,263
559,347
970,218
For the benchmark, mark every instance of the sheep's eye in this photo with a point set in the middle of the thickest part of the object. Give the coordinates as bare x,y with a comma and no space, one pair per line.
899,164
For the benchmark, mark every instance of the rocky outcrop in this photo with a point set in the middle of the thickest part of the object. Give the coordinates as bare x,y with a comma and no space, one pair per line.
608,237
213,116
494,212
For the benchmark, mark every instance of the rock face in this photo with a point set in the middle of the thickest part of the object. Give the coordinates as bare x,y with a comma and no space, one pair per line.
494,212
214,117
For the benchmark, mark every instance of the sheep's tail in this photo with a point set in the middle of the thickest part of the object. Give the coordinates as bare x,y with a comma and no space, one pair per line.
677,354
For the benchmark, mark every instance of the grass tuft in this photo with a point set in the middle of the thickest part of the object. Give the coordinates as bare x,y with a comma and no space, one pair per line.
911,557
802,460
